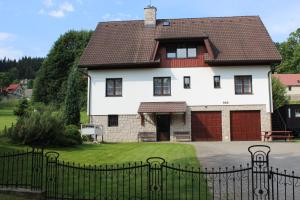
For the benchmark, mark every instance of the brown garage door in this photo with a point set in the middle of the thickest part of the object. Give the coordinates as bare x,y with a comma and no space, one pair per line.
206,126
245,125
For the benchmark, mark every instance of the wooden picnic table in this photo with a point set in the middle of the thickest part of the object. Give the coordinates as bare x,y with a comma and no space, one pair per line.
270,135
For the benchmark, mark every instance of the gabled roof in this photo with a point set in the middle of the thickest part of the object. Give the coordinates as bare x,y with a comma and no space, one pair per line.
12,87
240,40
288,79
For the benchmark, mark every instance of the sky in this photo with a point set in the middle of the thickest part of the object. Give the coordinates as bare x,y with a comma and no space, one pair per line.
30,27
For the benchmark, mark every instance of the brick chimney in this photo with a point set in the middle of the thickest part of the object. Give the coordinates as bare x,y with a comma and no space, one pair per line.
150,16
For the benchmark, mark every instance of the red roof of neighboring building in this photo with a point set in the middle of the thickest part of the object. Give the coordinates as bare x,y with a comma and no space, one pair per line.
12,87
289,79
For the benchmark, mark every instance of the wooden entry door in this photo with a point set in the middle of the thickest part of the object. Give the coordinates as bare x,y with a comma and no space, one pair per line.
163,127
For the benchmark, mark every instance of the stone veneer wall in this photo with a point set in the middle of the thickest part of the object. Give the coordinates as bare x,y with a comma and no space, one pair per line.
128,128
130,125
265,117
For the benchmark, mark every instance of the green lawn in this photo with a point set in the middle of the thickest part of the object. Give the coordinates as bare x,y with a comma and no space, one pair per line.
7,117
12,197
119,153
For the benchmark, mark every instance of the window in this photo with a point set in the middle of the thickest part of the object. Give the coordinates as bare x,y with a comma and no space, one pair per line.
243,84
187,82
171,52
113,120
162,86
297,113
289,113
290,88
192,52
114,87
217,82
182,51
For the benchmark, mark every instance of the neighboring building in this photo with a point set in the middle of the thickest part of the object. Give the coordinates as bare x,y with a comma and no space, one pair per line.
15,90
208,78
292,83
287,117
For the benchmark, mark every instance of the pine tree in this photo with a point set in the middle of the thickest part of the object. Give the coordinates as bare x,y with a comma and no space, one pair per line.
72,100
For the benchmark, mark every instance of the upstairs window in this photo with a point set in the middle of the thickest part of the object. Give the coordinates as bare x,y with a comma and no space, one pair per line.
171,52
243,84
113,87
162,86
182,51
217,82
187,82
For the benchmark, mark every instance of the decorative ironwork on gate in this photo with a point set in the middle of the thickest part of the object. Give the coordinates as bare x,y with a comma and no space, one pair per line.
153,179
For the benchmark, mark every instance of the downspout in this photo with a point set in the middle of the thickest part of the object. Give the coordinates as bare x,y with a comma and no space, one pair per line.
270,88
89,86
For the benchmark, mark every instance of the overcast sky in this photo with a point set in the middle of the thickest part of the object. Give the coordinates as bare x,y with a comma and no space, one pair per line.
29,27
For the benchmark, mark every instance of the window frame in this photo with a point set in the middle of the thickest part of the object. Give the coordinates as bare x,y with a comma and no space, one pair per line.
114,87
215,86
161,91
189,85
243,85
181,46
297,113
113,122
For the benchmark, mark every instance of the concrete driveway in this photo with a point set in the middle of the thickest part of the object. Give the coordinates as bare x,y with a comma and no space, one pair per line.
284,155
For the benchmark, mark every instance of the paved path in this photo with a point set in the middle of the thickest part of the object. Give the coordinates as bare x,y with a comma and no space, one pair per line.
284,155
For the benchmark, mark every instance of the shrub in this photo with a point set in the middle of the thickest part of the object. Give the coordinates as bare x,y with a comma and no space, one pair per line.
41,129
72,132
22,108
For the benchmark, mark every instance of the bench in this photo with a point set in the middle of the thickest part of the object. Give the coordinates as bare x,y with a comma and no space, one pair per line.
270,135
147,137
182,136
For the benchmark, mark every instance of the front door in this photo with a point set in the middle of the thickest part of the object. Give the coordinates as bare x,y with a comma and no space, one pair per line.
163,127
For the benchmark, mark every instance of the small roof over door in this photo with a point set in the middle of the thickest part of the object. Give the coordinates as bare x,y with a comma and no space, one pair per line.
162,107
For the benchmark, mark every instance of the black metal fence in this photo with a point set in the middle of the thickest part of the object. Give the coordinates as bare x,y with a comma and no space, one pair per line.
152,179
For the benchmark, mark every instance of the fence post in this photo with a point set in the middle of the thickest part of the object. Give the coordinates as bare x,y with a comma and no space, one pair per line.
155,185
260,171
51,175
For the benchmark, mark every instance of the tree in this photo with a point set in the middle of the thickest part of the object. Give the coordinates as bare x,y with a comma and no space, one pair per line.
290,52
279,94
23,108
72,101
51,83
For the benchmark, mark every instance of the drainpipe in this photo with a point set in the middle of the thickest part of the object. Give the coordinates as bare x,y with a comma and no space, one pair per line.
89,86
270,88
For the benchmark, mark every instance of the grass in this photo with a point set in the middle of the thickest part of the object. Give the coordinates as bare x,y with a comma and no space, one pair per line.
97,154
7,117
12,197
83,183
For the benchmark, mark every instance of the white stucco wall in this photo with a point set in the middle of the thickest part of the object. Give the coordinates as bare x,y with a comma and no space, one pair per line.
138,87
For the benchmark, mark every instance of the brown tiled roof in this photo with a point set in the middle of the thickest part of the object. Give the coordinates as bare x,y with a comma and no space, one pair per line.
162,107
233,40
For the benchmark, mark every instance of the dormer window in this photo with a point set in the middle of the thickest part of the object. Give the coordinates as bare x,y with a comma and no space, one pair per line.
182,51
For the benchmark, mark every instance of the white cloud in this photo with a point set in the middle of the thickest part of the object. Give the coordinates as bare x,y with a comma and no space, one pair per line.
48,3
60,10
6,36
10,52
117,17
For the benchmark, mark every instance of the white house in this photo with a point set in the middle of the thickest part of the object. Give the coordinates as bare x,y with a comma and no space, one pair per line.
201,79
